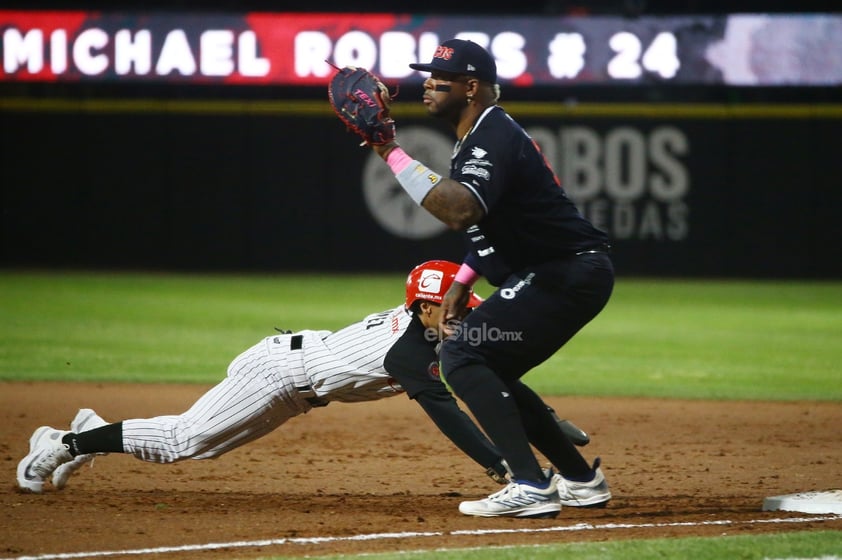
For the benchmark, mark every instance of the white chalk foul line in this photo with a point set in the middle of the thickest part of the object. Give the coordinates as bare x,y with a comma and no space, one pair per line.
411,535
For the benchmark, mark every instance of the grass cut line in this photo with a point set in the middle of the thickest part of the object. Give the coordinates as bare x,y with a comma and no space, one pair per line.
385,536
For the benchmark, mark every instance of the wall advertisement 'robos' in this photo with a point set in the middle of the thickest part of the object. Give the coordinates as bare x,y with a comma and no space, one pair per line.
685,193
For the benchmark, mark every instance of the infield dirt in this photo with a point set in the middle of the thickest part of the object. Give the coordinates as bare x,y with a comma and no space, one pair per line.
676,468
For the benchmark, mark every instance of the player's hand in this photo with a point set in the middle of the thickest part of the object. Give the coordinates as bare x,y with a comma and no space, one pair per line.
383,150
453,307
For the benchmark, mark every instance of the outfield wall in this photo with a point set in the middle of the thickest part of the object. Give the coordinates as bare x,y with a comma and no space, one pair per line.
708,189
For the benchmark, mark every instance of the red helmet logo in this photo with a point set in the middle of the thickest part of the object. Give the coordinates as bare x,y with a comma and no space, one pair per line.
429,281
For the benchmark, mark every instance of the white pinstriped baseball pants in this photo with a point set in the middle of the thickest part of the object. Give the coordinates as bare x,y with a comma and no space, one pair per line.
257,396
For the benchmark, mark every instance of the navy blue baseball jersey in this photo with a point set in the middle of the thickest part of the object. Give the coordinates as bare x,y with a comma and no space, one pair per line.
528,217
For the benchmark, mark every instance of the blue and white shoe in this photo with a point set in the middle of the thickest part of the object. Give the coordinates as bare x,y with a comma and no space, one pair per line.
517,500
593,494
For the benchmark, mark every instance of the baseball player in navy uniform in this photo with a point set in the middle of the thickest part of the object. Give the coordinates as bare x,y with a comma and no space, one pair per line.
282,376
550,265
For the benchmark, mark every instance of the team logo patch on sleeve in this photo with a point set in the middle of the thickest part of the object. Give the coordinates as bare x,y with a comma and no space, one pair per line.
434,370
477,171
477,165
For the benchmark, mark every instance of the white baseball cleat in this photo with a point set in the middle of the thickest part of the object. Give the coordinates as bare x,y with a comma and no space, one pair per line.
593,494
86,419
46,453
517,500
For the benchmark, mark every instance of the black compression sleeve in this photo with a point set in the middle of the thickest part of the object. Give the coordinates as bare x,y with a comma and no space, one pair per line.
458,427
106,439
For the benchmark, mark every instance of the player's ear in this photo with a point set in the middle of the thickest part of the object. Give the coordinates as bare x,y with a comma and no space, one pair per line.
471,87
427,307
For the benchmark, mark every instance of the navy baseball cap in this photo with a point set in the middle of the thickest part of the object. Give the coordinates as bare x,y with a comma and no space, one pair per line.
457,56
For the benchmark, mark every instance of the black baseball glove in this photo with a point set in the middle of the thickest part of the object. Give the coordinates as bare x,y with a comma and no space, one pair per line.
362,101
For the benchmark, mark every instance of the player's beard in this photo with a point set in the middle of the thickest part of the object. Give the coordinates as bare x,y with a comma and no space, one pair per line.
450,108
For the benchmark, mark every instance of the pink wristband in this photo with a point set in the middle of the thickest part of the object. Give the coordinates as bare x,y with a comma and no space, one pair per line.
466,275
398,160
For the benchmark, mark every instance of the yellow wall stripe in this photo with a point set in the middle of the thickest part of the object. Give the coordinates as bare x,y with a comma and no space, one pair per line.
319,108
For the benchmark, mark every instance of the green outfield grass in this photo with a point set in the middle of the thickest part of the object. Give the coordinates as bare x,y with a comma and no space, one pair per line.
664,338
660,338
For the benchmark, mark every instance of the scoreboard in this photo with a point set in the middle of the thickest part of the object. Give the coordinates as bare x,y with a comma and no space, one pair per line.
291,49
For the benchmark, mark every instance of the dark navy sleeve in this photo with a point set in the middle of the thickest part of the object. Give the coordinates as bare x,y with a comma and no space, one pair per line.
459,428
471,259
412,361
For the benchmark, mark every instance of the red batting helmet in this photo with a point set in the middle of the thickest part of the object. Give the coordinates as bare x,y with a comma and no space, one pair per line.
430,280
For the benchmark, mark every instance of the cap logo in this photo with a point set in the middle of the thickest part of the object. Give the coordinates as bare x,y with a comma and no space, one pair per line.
430,281
471,68
443,52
